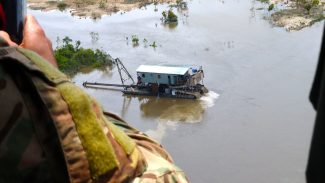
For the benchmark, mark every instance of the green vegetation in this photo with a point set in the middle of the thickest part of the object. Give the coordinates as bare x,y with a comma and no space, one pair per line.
135,40
181,4
315,2
169,16
271,7
294,15
154,45
72,58
308,5
62,5
178,2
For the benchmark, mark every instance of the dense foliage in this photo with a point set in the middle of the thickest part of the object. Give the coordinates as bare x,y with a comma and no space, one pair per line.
169,16
72,58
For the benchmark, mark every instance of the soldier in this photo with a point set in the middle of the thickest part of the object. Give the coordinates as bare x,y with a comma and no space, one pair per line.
52,131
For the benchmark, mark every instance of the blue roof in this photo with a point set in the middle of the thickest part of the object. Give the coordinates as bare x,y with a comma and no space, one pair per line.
177,70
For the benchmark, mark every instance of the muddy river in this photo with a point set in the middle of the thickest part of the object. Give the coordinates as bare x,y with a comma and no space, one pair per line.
255,124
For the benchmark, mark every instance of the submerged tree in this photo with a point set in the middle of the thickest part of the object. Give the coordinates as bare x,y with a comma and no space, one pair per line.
169,16
154,45
135,40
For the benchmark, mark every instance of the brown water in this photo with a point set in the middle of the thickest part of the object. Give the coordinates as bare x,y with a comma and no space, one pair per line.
255,124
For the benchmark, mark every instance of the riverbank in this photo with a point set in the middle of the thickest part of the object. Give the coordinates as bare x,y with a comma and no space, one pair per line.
91,8
294,15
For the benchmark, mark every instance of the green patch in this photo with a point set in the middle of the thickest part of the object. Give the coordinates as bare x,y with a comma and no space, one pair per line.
72,58
271,7
169,16
100,153
308,7
135,40
315,2
154,45
62,6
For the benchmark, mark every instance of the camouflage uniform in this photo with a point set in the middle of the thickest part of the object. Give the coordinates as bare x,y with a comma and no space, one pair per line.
51,131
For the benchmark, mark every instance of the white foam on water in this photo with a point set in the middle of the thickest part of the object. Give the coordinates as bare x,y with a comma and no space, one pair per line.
170,119
159,133
208,100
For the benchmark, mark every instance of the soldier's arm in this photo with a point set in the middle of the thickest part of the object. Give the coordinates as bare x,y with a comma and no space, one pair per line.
96,146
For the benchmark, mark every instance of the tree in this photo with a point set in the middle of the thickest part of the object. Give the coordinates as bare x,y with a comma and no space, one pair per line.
271,7
308,7
169,16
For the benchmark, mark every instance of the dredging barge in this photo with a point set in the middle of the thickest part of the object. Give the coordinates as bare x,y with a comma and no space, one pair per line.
162,81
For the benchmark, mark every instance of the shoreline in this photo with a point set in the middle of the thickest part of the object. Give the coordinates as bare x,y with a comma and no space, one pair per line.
294,16
92,8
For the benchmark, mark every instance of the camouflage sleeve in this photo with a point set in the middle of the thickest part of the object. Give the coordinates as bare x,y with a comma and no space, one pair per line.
113,150
159,164
22,157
